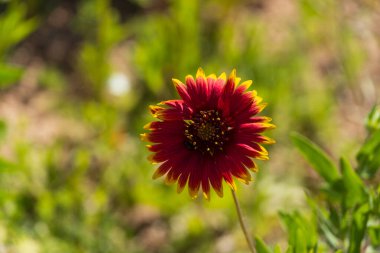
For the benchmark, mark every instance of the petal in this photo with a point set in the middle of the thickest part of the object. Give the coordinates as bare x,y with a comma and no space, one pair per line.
191,88
230,85
245,160
182,166
212,76
255,127
198,91
176,110
215,88
181,89
200,73
250,151
161,136
164,167
195,179
206,188
226,94
222,76
168,153
241,173
237,169
178,166
216,180
205,178
263,119
182,182
203,90
159,147
263,139
245,85
229,180
165,126
154,109
248,137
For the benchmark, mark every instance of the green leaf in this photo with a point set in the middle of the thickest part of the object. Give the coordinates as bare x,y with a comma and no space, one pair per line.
369,161
374,235
14,26
300,241
358,228
301,232
373,119
325,223
316,157
261,247
353,185
371,143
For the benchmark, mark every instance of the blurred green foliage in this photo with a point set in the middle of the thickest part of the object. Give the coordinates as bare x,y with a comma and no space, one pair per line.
99,24
73,172
14,27
346,212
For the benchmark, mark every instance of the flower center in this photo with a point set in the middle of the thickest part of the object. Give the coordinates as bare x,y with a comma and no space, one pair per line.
206,132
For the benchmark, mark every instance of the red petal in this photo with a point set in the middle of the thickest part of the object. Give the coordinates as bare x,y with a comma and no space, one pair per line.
206,187
177,110
198,91
182,181
205,178
203,89
247,161
225,98
163,137
195,179
229,180
254,127
182,91
168,153
182,165
165,167
216,180
249,151
260,119
215,90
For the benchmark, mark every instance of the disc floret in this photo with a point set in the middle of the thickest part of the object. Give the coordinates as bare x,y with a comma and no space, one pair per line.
206,132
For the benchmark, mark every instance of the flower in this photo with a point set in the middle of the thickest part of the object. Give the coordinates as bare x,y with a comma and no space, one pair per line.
209,135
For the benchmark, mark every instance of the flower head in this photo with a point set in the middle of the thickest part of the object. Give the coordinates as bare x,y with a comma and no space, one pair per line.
211,134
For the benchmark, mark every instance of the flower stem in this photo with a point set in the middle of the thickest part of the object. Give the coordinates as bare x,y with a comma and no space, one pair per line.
242,224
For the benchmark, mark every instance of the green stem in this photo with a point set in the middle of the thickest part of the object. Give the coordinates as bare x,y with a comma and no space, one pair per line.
242,224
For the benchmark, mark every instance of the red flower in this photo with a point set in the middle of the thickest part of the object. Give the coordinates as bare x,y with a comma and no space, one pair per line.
210,135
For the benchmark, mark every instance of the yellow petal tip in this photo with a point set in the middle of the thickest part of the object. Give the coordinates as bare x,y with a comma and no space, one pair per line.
222,76
246,84
200,73
212,76
169,180
144,137
176,82
233,74
156,175
193,193
147,126
206,196
180,188
232,185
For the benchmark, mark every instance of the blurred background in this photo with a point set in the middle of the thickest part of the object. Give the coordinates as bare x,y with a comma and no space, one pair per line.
76,79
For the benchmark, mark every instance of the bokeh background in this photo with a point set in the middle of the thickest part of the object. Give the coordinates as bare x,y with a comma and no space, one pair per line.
76,79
